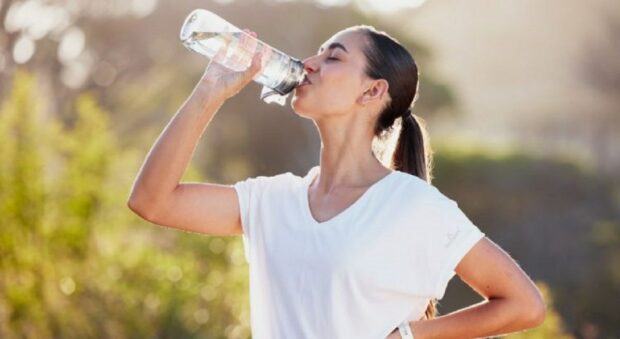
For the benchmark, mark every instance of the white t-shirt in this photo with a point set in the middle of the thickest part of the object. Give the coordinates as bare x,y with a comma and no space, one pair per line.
356,275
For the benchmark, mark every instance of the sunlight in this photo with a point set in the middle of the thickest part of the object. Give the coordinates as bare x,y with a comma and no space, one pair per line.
23,49
383,7
389,6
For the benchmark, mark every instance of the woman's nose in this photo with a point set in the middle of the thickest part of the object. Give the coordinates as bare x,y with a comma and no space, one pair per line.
309,65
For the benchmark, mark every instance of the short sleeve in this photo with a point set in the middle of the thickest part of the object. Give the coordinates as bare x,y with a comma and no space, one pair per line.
258,197
249,194
451,234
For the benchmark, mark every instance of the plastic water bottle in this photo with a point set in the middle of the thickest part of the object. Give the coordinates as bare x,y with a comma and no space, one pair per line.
205,32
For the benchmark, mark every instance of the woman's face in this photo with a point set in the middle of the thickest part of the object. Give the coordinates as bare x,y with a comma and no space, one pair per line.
336,75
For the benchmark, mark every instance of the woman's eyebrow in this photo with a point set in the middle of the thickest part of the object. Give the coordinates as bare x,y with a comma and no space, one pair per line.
335,45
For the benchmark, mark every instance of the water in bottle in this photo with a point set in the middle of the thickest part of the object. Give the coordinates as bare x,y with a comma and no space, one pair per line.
206,33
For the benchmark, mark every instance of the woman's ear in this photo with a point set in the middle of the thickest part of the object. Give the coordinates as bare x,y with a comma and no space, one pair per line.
376,90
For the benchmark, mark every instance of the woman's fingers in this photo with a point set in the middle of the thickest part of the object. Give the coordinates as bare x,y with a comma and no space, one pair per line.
260,55
248,44
256,65
256,55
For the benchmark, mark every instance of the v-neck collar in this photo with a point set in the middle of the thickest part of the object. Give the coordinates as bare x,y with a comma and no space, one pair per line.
312,173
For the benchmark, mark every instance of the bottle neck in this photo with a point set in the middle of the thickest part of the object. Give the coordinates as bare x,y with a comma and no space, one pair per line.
293,77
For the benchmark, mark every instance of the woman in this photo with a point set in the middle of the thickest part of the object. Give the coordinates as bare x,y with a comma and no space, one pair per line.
352,249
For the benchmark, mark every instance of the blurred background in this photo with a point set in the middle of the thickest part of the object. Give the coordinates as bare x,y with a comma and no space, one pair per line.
521,98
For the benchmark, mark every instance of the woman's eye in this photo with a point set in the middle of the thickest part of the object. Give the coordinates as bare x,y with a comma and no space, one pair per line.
332,58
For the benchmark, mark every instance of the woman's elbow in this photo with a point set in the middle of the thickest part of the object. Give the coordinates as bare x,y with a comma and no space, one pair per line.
533,311
141,207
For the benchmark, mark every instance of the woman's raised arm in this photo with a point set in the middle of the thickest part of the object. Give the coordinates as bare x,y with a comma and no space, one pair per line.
157,194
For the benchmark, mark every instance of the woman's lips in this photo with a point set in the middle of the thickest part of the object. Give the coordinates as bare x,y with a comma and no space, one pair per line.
305,81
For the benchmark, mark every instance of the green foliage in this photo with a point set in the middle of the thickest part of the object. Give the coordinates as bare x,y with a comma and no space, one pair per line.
75,262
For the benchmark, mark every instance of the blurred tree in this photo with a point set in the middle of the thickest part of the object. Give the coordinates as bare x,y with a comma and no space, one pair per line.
557,218
75,262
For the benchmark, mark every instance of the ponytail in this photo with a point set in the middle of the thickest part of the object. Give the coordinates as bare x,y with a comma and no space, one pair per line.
413,155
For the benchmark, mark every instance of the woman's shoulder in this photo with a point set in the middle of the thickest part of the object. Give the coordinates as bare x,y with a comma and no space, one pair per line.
417,190
277,181
413,183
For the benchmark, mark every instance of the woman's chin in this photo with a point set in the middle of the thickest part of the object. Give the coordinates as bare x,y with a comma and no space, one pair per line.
296,98
297,104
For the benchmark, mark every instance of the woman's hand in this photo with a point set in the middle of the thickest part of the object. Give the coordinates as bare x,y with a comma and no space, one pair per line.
224,82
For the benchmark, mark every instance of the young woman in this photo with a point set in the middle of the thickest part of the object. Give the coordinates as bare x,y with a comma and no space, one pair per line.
352,249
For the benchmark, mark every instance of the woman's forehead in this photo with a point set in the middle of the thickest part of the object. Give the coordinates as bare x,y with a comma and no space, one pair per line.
348,41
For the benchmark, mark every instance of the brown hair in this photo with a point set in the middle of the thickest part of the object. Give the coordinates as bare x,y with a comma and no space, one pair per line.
388,59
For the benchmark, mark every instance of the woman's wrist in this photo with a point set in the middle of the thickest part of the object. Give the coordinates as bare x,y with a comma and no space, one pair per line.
209,94
204,101
395,334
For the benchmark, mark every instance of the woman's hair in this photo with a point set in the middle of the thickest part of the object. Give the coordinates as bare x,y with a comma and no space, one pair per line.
387,59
